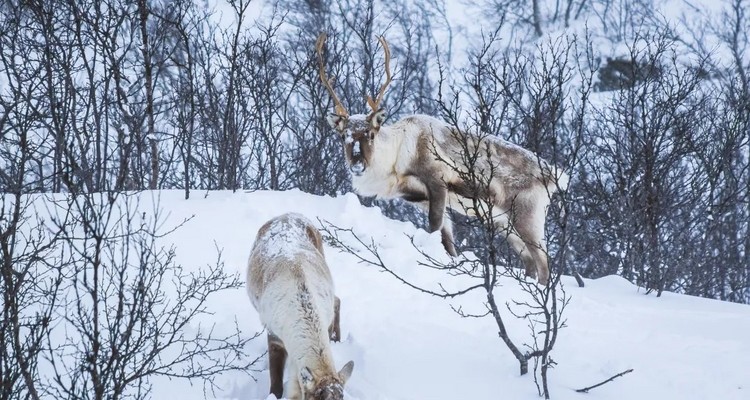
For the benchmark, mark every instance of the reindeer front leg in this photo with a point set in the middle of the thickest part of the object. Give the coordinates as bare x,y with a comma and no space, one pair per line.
276,360
432,199
437,195
446,236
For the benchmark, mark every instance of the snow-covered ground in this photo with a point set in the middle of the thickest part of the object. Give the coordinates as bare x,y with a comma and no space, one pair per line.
408,345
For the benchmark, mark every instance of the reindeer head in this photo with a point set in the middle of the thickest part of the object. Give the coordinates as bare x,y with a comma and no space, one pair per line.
357,131
326,387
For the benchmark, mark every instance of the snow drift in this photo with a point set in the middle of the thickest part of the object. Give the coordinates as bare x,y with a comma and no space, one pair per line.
408,345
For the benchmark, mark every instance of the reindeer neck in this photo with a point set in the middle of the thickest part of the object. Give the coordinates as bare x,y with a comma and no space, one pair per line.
387,144
308,340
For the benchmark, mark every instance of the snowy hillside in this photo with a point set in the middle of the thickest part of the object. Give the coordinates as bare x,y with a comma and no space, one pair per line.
408,345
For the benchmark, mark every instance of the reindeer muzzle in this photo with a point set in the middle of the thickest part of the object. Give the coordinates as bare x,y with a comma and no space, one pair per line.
357,169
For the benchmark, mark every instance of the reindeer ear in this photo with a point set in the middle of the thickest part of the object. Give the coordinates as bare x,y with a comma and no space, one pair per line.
306,377
346,371
376,119
337,122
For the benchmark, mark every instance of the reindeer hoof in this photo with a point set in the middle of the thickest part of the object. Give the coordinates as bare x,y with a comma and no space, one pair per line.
450,248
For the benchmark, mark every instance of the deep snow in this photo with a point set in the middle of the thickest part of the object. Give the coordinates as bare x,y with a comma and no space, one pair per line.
409,345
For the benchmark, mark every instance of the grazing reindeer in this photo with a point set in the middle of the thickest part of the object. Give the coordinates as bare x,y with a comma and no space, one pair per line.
425,161
291,287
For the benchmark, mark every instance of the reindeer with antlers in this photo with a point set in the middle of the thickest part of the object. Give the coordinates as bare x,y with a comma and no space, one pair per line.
424,161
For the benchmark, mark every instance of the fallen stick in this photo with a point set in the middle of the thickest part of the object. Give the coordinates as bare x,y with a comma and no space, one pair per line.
586,389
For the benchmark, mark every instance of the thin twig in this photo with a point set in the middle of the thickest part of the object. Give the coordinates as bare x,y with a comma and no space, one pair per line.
586,389
331,233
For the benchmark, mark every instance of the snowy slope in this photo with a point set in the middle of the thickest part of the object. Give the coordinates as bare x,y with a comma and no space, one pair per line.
408,345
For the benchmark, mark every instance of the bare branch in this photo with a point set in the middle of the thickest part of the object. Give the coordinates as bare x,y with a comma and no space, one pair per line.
586,389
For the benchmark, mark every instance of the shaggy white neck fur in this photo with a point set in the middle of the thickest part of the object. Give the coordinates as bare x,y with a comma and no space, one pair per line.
394,149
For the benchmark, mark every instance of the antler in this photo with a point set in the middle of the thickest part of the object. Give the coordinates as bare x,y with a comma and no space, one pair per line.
375,104
340,110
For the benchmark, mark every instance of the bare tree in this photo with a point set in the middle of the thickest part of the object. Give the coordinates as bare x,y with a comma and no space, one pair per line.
271,86
127,312
642,161
188,28
30,276
148,76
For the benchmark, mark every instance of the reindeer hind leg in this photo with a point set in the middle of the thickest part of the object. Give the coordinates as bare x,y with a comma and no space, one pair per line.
334,331
537,251
508,230
530,228
523,251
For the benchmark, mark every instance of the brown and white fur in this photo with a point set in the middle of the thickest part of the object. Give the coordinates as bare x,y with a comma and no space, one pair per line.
421,159
290,285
